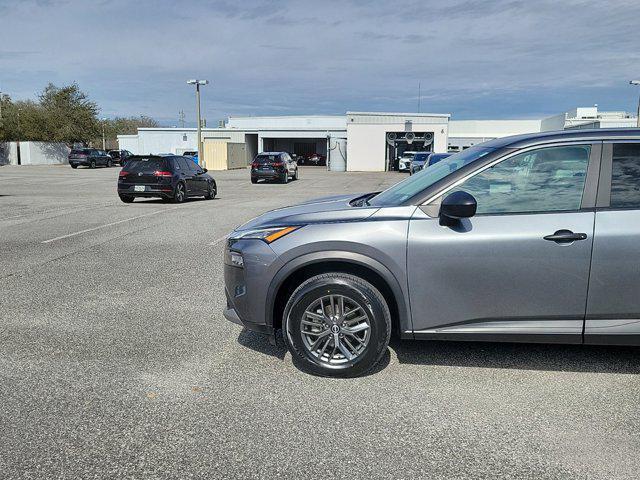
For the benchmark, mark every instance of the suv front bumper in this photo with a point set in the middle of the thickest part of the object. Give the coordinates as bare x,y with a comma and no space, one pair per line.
246,286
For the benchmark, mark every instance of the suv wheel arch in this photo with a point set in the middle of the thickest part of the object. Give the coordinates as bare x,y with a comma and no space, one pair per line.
293,273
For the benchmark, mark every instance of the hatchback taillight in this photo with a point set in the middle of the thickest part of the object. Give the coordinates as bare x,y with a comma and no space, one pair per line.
123,173
254,165
277,164
163,174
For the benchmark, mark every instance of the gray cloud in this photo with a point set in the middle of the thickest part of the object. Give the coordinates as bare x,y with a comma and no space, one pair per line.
473,58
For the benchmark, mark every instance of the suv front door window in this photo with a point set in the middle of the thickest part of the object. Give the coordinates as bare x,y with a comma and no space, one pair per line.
542,180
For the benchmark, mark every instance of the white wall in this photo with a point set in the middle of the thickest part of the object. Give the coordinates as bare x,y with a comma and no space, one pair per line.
291,122
366,137
43,153
128,142
8,153
555,122
491,128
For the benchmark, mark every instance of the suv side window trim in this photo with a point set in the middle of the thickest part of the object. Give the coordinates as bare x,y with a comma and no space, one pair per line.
432,206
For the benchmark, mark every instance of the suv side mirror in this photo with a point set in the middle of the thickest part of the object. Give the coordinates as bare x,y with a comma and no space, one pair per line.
456,206
204,170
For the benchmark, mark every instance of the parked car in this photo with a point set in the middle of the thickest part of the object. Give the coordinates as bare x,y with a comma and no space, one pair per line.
274,166
89,157
405,161
315,159
192,154
174,178
425,159
119,156
531,238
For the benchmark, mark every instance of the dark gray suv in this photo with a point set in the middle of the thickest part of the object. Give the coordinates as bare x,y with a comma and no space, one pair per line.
532,238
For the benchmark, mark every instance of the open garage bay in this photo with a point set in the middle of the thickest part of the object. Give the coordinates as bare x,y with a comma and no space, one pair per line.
116,362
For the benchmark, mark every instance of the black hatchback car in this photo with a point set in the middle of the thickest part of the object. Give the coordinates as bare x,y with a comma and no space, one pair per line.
274,166
172,178
89,157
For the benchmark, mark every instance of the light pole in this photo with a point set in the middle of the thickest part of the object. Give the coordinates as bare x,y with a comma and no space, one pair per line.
104,142
637,82
197,83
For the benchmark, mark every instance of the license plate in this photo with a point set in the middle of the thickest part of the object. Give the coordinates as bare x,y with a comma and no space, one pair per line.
139,188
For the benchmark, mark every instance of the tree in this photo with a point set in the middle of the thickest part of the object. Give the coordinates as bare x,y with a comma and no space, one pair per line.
63,114
69,116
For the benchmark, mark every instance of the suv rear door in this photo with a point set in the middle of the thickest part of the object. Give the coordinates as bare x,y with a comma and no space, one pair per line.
494,275
613,309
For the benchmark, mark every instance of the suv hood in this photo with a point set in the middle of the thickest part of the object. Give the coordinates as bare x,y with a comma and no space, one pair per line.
336,208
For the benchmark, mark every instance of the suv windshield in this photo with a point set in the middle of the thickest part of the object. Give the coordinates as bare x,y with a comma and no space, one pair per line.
146,165
413,185
421,157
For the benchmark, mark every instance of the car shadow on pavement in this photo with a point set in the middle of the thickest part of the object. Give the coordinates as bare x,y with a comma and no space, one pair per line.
520,356
259,343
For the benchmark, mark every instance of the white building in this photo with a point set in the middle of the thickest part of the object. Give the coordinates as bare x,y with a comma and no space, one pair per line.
374,139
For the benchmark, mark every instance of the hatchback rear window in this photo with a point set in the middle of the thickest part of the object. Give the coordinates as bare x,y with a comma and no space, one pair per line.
263,159
147,165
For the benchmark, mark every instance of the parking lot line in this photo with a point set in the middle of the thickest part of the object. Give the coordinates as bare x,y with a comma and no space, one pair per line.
218,240
107,225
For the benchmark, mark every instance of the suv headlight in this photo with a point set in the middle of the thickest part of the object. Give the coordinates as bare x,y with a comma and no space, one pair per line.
267,235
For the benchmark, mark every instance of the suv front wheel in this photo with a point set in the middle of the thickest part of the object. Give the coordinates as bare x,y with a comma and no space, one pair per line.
337,325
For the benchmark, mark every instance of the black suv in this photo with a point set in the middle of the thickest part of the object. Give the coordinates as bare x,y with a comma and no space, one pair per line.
89,157
119,156
168,177
274,166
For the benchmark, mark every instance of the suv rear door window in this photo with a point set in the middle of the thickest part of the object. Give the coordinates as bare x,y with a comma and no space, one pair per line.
625,176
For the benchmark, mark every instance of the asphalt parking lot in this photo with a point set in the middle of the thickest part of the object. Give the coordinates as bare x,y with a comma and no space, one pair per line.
116,362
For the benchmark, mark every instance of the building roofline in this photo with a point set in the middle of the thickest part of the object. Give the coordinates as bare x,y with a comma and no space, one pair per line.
400,114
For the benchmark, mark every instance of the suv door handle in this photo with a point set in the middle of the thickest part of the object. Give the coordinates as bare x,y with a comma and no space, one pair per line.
565,236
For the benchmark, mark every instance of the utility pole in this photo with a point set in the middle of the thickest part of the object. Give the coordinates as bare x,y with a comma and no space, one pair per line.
181,116
104,142
637,82
419,97
197,83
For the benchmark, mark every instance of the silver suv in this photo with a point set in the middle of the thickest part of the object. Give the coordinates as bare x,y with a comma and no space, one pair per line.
532,238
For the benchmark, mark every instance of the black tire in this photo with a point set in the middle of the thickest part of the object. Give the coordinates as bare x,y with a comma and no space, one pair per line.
285,177
74,166
254,180
295,175
179,194
127,198
109,164
354,289
92,164
212,190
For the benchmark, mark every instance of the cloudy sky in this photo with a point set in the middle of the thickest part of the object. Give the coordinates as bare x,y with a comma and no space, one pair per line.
473,58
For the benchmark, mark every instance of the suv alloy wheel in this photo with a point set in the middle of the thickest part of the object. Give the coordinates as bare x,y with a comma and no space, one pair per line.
337,324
